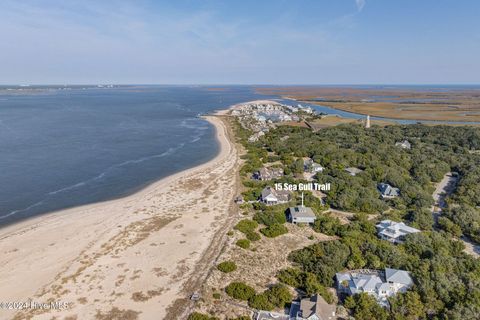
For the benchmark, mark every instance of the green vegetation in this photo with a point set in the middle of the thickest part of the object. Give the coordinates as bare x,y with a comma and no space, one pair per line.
270,215
240,291
227,266
446,279
365,307
201,316
275,297
245,226
274,230
305,281
243,243
216,295
328,225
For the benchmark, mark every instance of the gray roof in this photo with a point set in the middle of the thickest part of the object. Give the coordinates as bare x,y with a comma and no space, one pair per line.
388,190
398,276
302,212
316,305
366,282
281,195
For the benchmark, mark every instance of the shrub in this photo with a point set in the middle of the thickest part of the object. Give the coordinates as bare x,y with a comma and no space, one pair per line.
271,216
290,276
243,243
243,318
200,316
216,295
240,290
279,295
227,266
253,236
246,226
274,230
327,225
230,233
260,302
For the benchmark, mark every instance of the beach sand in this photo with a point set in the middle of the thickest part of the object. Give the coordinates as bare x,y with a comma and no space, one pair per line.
136,257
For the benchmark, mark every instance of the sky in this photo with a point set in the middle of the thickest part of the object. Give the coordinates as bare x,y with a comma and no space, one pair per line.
240,42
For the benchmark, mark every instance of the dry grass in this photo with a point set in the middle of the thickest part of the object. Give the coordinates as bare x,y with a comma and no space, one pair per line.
398,103
257,267
117,314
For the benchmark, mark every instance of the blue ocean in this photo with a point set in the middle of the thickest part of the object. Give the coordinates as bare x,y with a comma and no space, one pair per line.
67,146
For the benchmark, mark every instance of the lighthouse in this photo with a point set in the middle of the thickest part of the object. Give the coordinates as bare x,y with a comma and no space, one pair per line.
367,122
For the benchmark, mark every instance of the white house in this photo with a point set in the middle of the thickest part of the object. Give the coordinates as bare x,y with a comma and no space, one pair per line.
379,284
394,232
270,196
301,214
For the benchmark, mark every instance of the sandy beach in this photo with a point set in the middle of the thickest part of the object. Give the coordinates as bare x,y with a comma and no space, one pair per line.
138,257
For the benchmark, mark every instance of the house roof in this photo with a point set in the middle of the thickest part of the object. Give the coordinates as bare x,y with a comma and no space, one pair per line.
366,282
388,190
302,212
281,195
316,305
353,170
398,276
392,228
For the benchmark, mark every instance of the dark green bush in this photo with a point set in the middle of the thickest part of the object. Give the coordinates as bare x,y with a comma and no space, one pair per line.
243,243
246,225
227,266
274,230
240,291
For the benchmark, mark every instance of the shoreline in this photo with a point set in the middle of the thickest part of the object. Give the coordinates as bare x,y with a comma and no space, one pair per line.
93,251
131,192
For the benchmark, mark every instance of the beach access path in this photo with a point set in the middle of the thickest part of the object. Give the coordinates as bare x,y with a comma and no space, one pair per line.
136,257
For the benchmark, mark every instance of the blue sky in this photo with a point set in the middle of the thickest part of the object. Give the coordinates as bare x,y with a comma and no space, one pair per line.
240,42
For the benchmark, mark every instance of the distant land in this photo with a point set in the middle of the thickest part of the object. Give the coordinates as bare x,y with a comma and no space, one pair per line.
430,103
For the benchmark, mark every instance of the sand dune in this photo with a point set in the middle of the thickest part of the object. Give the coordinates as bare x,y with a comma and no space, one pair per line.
135,257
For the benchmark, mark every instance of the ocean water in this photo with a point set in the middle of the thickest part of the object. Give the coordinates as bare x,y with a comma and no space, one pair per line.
64,147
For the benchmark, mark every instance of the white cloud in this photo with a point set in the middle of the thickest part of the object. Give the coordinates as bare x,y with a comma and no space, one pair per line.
360,4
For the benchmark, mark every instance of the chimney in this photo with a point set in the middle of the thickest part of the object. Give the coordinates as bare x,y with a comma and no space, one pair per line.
302,200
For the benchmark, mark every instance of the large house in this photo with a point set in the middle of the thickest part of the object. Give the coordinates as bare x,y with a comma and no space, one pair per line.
388,191
301,214
394,232
379,284
315,308
270,196
266,174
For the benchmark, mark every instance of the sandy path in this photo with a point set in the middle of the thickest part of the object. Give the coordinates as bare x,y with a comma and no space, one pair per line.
130,257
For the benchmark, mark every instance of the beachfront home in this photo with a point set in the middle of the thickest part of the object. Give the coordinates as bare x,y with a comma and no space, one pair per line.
315,308
379,284
394,232
353,171
301,214
266,174
311,166
270,196
388,191
403,144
